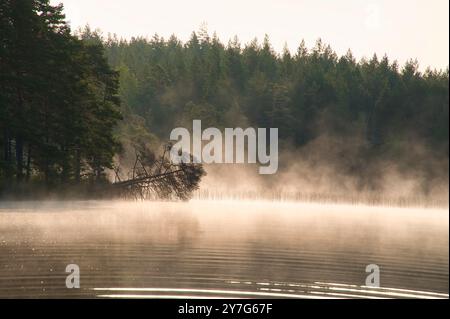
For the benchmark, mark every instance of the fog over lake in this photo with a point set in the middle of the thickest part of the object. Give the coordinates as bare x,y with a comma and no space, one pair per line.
221,248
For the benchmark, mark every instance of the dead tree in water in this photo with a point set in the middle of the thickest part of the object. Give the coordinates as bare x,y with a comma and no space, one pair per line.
155,177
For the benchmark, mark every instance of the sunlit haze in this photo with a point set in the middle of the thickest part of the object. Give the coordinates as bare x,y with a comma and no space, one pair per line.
402,29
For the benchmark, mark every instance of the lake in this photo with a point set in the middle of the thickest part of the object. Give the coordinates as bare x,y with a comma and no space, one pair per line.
221,248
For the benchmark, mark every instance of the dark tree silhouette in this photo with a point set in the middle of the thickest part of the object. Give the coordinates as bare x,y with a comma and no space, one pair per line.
156,177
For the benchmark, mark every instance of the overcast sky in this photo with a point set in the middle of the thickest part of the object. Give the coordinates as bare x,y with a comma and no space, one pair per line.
401,28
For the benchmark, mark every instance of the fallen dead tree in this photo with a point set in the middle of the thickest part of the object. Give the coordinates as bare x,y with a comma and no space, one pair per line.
156,177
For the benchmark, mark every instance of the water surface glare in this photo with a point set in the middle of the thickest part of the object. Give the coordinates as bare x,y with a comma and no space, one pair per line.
221,249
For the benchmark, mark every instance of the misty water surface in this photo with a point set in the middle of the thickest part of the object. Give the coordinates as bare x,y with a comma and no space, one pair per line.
221,249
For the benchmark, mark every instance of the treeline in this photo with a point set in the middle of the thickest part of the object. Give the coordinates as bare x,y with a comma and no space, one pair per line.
59,99
167,82
376,108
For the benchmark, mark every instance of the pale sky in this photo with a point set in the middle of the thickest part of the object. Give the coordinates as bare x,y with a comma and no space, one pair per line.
402,29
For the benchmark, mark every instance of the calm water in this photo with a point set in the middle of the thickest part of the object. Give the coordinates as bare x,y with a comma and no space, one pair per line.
221,249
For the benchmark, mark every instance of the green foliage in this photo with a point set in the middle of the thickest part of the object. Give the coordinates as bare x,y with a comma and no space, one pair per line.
305,95
59,98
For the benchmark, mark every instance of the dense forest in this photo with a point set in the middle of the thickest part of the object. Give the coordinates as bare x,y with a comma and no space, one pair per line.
361,119
59,99
73,104
169,83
